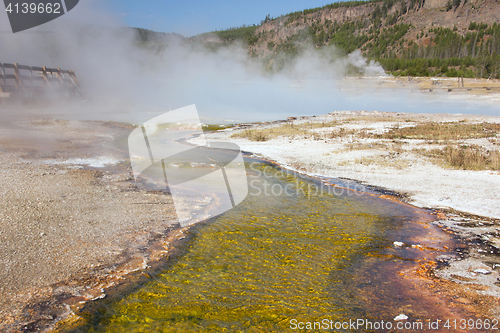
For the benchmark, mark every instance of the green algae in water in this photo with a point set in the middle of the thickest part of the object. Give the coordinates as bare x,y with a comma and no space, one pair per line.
270,259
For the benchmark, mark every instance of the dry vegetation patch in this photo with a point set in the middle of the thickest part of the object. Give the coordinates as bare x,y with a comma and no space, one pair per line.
444,131
447,138
452,153
464,157
376,119
291,130
390,160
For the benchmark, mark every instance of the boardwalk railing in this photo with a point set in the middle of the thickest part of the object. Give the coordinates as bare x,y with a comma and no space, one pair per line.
24,80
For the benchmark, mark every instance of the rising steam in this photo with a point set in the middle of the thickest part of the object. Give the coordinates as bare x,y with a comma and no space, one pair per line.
122,81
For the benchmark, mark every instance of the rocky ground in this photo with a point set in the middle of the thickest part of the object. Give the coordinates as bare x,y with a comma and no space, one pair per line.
73,221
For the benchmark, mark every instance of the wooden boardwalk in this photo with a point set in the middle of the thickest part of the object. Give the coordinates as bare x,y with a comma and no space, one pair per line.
31,81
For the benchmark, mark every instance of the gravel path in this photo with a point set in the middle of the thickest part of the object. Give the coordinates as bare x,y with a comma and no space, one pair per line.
66,228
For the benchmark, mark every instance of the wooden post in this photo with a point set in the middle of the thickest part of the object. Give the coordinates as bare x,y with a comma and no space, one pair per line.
75,83
73,77
17,75
61,78
46,82
3,74
31,77
19,79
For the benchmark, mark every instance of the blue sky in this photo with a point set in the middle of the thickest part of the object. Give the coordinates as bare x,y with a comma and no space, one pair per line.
191,17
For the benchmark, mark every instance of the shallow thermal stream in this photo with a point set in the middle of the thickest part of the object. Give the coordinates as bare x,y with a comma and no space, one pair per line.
291,250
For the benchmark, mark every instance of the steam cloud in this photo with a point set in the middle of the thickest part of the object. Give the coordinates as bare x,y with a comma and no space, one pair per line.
125,82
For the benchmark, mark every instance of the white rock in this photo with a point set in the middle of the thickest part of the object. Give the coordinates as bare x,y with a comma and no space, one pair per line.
398,243
401,317
482,271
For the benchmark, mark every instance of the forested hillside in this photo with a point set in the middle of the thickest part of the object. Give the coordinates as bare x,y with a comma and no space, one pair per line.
407,37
